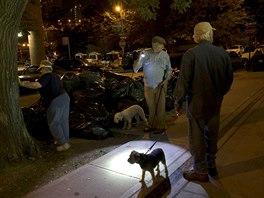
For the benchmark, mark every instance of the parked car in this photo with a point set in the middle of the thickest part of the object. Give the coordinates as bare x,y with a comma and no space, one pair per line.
256,63
250,52
94,58
70,64
237,62
239,49
112,59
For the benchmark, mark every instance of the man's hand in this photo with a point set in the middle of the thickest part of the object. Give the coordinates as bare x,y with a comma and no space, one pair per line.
164,82
178,109
178,112
24,83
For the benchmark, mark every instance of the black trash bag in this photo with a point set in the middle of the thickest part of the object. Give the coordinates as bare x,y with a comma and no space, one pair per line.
95,92
137,89
170,90
99,133
123,88
111,84
172,82
123,103
109,75
71,82
36,123
78,124
81,128
89,78
92,112
113,91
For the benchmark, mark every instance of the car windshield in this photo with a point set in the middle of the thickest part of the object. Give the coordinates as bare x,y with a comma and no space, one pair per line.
234,47
247,49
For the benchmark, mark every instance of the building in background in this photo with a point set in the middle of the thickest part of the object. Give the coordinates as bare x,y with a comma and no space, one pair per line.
76,14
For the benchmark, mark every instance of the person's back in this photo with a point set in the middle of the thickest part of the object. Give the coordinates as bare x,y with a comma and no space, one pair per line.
51,87
210,67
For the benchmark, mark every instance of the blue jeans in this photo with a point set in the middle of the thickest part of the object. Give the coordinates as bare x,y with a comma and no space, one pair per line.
58,118
203,136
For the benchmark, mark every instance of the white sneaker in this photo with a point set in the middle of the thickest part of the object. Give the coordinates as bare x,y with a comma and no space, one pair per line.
63,147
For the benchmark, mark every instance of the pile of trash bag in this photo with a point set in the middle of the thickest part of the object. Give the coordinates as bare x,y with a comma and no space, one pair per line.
36,123
95,97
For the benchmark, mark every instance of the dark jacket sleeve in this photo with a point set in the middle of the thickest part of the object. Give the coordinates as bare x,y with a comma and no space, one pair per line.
228,75
185,79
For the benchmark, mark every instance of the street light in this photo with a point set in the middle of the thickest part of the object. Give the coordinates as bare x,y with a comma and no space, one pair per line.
19,34
122,41
118,8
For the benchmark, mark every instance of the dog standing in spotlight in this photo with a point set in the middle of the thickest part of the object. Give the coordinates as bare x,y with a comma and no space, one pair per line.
148,162
128,114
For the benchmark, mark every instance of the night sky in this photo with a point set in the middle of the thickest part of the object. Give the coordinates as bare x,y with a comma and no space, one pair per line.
67,4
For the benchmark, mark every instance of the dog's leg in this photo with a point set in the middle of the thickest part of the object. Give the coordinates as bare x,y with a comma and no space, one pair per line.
157,169
143,176
137,119
152,175
166,168
125,124
129,124
163,161
143,117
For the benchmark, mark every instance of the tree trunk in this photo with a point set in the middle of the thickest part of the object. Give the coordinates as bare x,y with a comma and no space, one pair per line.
15,141
36,32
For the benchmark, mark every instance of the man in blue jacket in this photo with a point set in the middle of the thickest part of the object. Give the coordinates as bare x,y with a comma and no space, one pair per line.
56,102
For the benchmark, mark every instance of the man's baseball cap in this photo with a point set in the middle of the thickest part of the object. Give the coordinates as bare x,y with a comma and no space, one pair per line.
158,39
202,28
45,64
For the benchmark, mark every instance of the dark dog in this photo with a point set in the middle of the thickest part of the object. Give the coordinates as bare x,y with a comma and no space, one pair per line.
148,162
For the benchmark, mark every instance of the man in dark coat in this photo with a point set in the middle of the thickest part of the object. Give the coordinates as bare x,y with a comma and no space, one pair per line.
205,77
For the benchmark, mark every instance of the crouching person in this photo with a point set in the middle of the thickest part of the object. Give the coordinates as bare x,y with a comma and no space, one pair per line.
56,103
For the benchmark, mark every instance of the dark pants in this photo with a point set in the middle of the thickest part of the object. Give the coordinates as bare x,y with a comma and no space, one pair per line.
203,136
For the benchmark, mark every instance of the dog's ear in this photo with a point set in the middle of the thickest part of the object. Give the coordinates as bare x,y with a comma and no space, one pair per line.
120,116
136,155
116,118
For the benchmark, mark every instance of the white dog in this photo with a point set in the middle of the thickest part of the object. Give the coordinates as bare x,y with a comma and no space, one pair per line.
133,111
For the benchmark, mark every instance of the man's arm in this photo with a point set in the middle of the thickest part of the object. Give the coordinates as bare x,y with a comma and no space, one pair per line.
138,63
31,85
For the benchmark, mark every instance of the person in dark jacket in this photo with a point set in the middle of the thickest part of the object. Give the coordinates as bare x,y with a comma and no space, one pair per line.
205,77
56,102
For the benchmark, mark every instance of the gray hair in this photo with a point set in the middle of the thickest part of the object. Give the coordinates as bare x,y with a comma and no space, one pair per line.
208,36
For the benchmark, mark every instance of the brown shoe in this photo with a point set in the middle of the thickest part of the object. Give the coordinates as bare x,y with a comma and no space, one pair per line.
63,147
148,129
191,175
159,131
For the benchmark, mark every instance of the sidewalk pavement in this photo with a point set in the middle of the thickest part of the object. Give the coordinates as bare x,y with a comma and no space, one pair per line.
240,157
